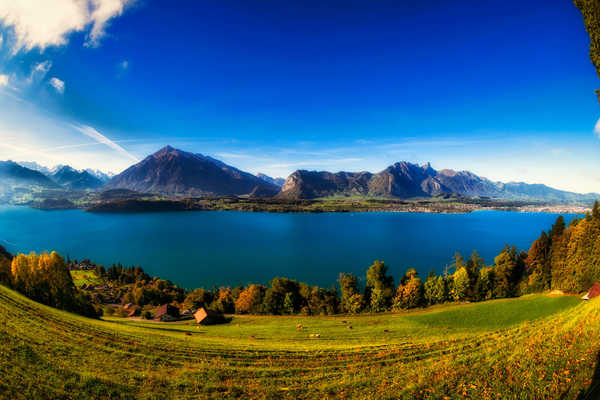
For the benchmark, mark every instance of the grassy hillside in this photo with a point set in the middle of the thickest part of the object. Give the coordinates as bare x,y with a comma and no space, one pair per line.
542,347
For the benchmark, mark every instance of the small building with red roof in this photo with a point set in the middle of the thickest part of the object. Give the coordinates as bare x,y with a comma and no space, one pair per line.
593,292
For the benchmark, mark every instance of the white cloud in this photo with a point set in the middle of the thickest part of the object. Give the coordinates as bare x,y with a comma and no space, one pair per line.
100,138
104,11
597,128
124,65
42,24
58,85
1,38
3,80
39,71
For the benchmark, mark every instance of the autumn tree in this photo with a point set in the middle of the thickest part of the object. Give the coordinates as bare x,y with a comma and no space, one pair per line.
460,289
46,279
410,291
223,301
250,300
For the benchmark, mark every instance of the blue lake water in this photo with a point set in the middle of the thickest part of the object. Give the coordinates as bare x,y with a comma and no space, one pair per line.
195,249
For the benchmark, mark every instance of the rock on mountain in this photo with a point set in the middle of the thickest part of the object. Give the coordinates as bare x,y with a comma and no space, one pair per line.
304,184
275,181
174,172
70,178
15,175
405,180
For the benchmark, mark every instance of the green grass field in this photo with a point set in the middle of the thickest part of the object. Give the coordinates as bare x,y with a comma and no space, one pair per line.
533,347
81,278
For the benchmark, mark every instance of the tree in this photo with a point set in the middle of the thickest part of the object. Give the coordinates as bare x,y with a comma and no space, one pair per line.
379,290
434,289
509,268
5,269
46,279
352,300
538,264
461,284
558,228
590,9
410,291
196,299
224,301
288,304
250,300
276,294
473,265
596,211
485,284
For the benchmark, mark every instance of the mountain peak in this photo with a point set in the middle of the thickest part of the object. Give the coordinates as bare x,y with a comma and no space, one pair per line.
165,150
175,172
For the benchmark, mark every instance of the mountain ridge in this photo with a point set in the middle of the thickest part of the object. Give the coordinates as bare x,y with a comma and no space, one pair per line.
406,180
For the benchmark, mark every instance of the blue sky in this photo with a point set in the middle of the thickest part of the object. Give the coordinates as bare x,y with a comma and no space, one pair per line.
502,88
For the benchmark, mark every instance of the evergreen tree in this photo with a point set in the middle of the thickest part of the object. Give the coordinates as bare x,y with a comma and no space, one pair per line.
379,290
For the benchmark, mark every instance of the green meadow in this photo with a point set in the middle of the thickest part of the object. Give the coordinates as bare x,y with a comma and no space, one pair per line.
533,347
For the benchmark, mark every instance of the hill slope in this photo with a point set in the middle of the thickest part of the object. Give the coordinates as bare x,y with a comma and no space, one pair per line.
175,172
455,350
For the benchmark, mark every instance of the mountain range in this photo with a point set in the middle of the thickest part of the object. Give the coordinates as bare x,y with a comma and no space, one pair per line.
13,174
72,179
407,180
178,173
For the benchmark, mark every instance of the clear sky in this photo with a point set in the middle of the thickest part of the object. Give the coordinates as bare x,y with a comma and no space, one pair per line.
502,88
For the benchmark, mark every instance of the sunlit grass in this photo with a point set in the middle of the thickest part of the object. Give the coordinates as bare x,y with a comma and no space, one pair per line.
498,349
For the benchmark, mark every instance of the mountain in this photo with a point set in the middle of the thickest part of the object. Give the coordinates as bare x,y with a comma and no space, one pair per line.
35,166
275,181
103,176
15,175
70,178
175,172
405,180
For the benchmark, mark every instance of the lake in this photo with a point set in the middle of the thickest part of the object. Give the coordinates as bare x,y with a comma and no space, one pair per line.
195,249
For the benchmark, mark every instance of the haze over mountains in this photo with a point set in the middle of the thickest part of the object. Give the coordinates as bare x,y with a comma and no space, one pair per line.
173,172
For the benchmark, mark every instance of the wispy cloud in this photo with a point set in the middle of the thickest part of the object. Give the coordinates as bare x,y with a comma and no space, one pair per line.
597,128
235,155
100,138
58,85
42,24
3,80
25,151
